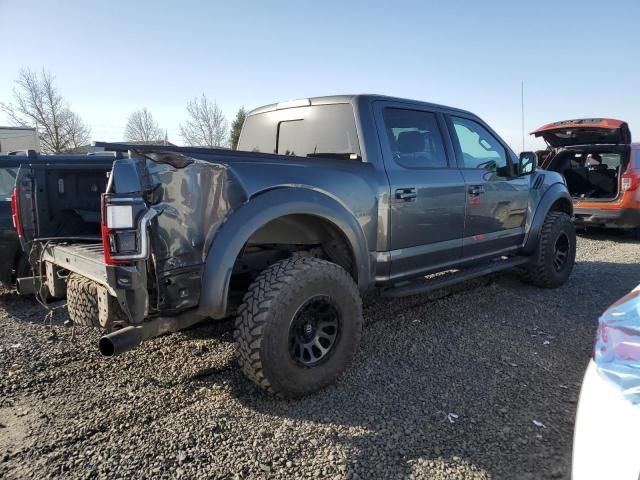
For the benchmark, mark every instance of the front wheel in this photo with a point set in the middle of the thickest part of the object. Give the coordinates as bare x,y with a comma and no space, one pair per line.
552,262
299,326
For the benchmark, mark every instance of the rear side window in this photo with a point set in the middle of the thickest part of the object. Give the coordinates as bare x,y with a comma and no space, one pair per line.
316,131
612,161
7,180
479,148
636,162
414,138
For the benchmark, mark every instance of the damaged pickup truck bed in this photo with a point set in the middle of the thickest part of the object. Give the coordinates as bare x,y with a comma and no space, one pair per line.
326,199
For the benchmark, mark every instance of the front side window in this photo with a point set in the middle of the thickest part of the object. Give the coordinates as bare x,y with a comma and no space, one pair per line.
414,138
479,148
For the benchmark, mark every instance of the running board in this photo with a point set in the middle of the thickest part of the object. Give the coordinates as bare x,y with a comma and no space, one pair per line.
445,280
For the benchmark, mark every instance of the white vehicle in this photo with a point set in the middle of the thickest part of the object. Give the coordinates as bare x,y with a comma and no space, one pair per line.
606,444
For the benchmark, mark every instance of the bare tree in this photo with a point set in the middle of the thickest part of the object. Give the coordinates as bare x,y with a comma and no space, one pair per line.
79,134
37,103
141,127
206,125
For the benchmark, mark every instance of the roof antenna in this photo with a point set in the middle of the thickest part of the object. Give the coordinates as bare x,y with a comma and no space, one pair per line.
522,108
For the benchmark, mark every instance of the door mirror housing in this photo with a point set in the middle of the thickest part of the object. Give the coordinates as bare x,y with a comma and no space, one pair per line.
527,163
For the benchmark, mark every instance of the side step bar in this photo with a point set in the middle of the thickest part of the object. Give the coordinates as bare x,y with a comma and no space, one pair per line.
445,280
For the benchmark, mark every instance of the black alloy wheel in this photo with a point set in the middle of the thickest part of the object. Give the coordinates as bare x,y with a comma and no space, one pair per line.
314,331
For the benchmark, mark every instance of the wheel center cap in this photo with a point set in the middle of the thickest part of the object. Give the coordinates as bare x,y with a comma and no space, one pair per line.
307,330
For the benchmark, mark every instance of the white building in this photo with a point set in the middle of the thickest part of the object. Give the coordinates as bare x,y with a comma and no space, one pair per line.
18,138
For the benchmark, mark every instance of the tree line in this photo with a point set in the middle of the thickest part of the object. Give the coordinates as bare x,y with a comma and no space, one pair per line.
38,103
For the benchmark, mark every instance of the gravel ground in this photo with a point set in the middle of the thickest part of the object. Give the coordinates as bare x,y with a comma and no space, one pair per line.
476,382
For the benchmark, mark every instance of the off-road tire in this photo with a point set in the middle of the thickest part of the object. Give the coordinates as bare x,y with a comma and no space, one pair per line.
82,300
540,271
269,308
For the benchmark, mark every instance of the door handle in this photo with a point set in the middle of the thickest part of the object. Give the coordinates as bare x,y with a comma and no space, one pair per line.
406,194
476,190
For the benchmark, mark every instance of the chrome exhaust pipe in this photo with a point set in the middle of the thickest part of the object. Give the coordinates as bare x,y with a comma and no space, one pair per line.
129,338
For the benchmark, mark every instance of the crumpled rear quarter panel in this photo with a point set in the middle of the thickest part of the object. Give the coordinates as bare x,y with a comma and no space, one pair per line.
193,202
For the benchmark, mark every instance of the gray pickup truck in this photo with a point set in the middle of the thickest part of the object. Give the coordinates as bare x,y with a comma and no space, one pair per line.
325,200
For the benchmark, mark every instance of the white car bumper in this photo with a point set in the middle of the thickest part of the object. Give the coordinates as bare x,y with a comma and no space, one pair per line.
606,441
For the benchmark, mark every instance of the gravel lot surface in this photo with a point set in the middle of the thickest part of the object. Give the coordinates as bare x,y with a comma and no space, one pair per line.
479,381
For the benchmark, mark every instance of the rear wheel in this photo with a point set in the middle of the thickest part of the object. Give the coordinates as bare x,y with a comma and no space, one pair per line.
299,326
553,260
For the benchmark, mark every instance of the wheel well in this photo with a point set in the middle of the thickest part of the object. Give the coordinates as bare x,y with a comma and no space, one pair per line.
562,205
298,234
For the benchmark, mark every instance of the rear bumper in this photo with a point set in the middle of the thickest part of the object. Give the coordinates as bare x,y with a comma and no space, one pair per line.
611,218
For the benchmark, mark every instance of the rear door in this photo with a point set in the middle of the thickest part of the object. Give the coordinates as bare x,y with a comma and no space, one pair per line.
496,198
427,190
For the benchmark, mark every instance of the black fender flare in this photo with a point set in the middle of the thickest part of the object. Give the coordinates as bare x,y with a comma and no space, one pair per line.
557,191
261,209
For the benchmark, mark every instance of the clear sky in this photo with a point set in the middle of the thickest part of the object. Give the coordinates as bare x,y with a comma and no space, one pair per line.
577,58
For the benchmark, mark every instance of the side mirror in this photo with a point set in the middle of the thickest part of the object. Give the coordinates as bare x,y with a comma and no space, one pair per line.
527,163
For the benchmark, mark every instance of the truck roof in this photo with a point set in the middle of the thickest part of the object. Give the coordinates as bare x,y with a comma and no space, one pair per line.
332,99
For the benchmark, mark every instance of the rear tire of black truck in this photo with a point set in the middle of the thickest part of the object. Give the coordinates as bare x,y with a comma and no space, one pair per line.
552,262
299,326
82,300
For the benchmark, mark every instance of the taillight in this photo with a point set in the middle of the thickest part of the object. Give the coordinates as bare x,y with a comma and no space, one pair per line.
124,229
115,218
15,212
629,181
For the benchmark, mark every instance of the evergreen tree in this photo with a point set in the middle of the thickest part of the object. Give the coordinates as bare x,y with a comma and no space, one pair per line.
236,127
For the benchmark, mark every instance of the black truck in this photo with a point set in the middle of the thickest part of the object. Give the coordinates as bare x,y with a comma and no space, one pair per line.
325,199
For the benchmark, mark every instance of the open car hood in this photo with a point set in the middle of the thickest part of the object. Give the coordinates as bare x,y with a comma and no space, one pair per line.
585,131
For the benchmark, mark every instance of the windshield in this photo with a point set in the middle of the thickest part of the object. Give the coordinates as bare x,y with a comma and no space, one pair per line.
7,180
314,131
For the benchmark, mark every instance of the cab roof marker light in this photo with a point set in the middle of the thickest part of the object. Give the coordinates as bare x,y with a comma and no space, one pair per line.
302,102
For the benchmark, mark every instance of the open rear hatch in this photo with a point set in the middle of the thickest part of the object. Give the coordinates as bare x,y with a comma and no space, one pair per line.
591,153
585,131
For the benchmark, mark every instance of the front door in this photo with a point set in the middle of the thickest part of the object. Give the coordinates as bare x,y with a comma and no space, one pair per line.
496,198
427,190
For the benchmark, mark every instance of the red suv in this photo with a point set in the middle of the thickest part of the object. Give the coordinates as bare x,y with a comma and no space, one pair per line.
601,167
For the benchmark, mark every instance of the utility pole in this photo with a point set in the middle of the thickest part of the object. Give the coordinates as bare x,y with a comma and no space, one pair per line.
522,109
